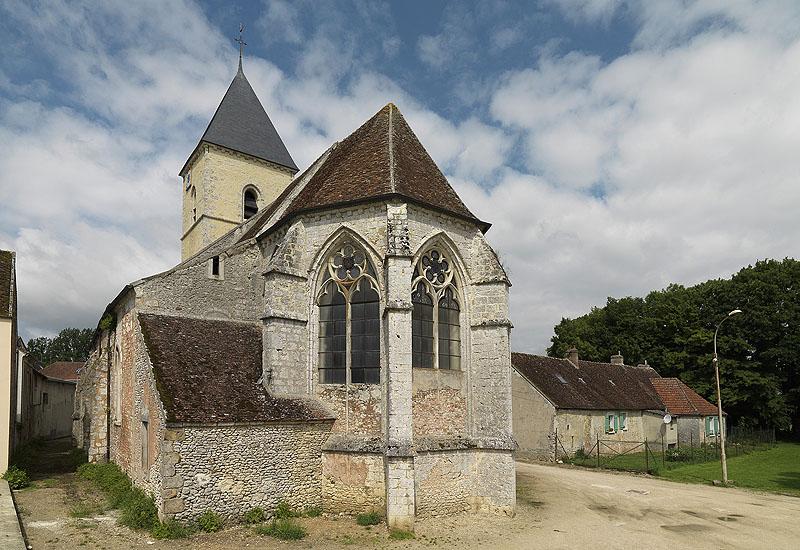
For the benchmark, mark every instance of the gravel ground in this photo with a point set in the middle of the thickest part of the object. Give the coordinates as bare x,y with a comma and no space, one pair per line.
557,507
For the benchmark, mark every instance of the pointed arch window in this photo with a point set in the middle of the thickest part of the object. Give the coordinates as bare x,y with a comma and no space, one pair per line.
349,319
436,315
250,203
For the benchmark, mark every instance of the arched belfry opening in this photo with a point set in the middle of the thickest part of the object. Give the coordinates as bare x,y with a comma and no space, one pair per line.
250,200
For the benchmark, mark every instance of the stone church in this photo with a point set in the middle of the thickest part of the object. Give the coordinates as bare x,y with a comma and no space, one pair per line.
336,337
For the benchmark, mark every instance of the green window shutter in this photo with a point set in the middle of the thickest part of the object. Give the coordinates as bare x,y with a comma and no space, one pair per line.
607,425
716,425
616,422
707,428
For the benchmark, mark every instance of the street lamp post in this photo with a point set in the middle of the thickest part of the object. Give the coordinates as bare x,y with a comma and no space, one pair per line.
722,456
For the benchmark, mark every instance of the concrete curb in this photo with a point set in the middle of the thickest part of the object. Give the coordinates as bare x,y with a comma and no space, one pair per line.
10,532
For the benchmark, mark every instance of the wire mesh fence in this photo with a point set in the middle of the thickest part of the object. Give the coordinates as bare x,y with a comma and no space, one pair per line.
653,456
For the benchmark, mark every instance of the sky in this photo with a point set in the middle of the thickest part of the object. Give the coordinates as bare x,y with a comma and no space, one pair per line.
616,146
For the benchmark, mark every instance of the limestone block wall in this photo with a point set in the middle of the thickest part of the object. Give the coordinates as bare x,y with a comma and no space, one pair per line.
220,177
191,291
580,429
534,421
139,421
89,417
231,469
475,480
439,403
353,482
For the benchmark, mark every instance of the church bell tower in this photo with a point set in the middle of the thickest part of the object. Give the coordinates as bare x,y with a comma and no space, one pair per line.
240,165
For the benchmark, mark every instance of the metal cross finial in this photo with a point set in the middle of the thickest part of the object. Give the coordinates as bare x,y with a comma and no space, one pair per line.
242,44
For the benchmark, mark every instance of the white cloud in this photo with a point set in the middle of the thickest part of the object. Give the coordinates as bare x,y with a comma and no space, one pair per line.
673,163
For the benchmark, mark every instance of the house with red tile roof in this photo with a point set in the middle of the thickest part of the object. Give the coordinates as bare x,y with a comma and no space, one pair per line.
563,405
697,420
64,370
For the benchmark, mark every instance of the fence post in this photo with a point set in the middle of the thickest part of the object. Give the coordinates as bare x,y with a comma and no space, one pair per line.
555,445
663,453
691,445
646,456
598,451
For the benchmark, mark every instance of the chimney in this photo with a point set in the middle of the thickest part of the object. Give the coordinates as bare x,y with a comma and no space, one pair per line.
617,359
572,355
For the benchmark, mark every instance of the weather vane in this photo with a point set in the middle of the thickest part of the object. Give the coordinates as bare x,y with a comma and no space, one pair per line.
242,44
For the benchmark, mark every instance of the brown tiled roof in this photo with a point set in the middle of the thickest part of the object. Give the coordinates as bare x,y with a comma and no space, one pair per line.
680,399
381,159
595,386
6,284
63,370
209,372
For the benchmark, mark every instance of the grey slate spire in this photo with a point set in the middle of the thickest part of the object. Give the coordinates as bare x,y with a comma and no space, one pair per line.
242,124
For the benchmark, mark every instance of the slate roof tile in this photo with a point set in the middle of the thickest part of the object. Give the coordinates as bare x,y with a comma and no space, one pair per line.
209,372
241,124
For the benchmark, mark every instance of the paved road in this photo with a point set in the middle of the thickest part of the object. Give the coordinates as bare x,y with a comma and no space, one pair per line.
575,508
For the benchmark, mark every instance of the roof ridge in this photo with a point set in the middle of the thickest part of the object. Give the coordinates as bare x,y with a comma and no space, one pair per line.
391,150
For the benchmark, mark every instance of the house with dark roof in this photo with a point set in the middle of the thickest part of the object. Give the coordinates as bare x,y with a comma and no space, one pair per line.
563,405
336,337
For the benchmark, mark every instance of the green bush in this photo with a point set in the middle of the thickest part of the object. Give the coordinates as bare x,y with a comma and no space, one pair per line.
678,454
17,478
399,534
138,511
284,529
210,521
254,515
284,511
170,529
580,454
371,518
312,511
113,481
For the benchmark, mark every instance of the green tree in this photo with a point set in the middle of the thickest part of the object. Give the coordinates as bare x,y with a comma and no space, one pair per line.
673,330
71,344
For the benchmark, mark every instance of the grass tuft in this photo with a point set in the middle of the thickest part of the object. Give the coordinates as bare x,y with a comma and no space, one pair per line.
284,511
370,518
312,511
171,529
254,515
399,534
284,529
210,521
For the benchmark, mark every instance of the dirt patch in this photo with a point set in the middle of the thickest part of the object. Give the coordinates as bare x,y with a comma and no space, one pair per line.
557,508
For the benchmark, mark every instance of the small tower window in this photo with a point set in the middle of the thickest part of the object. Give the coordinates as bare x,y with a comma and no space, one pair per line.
250,203
216,268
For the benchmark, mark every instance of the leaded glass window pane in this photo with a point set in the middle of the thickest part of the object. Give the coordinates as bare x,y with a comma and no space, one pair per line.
332,335
422,327
449,332
365,348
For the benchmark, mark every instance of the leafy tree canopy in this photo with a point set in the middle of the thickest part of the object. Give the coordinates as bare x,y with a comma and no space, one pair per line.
71,344
673,330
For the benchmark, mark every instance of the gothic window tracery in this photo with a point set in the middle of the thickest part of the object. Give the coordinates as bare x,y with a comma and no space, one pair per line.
349,319
435,317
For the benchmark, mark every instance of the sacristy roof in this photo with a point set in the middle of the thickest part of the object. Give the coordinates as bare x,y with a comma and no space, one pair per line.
209,372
